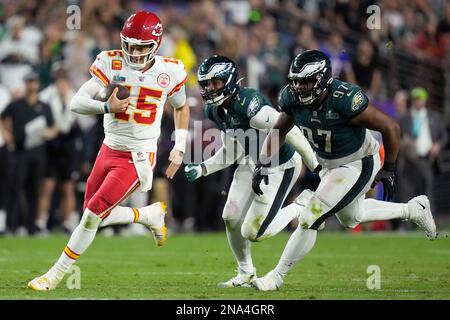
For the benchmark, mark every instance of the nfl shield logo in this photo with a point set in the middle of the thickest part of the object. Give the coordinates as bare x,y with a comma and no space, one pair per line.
141,78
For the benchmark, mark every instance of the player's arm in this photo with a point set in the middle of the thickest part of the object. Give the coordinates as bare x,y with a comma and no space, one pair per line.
228,153
265,120
6,125
181,120
276,138
374,119
6,131
84,103
271,146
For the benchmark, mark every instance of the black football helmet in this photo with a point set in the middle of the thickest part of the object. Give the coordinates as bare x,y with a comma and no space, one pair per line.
217,67
310,66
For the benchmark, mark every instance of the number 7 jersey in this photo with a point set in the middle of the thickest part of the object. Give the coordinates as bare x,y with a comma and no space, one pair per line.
138,128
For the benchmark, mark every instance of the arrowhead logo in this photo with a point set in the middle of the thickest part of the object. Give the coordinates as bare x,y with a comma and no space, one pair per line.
157,30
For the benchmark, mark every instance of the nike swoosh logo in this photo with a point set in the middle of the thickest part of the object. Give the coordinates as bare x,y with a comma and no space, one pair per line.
129,161
423,207
243,101
267,119
348,94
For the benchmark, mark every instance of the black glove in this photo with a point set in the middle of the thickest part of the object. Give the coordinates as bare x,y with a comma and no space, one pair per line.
259,174
387,176
317,169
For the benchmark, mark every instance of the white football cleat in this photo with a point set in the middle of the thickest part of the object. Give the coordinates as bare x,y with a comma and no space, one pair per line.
42,283
153,218
270,282
420,214
243,279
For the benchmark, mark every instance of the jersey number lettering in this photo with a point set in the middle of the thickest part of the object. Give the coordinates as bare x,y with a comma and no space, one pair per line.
339,94
145,112
310,136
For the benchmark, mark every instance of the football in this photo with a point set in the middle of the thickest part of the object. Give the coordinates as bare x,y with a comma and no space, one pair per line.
105,93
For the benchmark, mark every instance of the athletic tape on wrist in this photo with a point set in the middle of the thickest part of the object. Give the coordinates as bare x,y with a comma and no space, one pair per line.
180,139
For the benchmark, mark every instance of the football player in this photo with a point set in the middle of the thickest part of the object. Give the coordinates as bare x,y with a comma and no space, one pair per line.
132,127
242,114
335,117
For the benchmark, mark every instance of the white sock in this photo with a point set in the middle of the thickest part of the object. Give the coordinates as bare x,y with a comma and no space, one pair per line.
376,210
298,246
120,215
239,246
282,219
127,215
79,241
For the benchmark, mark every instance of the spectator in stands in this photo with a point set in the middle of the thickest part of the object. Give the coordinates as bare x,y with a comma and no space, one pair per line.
251,61
28,123
62,155
17,54
400,103
428,44
365,68
333,47
424,135
275,57
443,29
304,40
50,52
4,162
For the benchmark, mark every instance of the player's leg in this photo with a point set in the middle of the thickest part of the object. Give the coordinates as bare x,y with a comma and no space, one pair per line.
151,216
83,234
417,210
338,188
119,180
97,175
68,173
47,188
362,210
239,199
264,218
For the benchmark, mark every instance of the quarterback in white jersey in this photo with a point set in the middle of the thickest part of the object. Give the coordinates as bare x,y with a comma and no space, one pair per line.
138,128
132,127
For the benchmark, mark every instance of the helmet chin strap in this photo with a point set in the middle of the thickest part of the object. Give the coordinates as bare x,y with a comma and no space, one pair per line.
239,81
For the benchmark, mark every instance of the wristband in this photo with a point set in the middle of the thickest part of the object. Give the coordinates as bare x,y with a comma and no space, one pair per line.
389,166
180,139
204,172
106,107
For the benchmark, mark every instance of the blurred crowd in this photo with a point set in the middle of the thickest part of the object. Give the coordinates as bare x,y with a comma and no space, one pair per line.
47,152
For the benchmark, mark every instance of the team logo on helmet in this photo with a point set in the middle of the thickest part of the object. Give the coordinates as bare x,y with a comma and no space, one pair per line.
157,30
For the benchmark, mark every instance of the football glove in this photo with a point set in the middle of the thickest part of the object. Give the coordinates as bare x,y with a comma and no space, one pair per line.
386,176
193,171
318,169
259,174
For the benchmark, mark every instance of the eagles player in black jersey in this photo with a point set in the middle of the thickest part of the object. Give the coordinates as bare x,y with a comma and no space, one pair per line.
336,117
244,117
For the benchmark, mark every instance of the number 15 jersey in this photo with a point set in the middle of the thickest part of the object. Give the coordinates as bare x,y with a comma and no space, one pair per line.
138,128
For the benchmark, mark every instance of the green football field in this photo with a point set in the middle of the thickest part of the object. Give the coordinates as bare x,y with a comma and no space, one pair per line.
189,266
